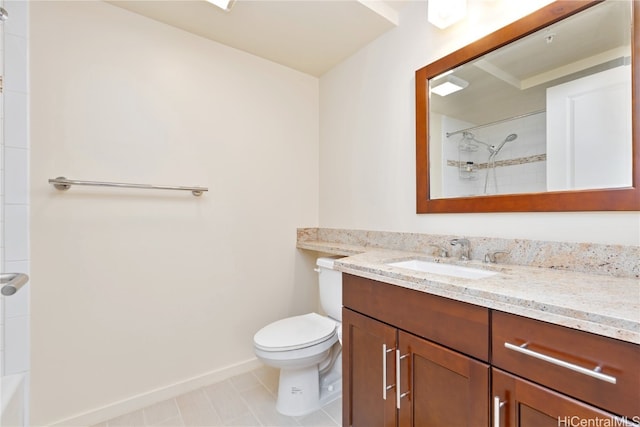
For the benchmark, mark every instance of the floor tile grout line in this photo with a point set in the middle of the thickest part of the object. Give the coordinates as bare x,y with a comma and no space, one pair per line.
274,395
144,412
213,406
246,402
337,421
263,384
144,416
330,417
179,411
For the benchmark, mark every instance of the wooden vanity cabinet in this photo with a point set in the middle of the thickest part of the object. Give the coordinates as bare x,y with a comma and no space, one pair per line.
457,364
394,374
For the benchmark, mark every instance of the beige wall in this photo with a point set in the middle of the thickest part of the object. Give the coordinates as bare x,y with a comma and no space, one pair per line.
367,139
134,290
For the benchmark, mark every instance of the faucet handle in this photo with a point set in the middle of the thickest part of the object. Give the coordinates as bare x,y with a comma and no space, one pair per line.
466,248
441,250
490,257
461,241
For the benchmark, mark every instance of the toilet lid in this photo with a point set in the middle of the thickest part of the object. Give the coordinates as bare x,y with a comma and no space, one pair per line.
295,332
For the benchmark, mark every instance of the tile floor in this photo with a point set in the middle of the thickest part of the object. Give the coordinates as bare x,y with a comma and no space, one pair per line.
247,400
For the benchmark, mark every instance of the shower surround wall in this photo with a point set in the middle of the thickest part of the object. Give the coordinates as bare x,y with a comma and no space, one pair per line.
14,200
520,164
145,294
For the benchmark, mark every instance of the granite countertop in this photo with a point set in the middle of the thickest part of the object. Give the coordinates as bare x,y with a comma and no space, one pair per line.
600,304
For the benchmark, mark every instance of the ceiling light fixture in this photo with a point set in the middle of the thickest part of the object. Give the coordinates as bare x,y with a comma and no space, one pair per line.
443,13
449,85
225,5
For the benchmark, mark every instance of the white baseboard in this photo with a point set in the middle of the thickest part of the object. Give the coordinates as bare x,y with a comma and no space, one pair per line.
151,397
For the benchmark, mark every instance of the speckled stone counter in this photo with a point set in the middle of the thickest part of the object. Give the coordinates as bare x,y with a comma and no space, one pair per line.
598,303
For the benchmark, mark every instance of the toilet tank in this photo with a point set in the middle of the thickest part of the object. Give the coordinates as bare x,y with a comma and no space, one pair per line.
330,282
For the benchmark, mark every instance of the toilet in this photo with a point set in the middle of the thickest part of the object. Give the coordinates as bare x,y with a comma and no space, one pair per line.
307,349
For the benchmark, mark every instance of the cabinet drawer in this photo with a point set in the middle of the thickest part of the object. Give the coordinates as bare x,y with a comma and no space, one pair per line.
457,325
602,371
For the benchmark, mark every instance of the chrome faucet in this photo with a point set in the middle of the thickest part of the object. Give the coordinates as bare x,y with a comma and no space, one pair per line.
466,248
441,250
490,257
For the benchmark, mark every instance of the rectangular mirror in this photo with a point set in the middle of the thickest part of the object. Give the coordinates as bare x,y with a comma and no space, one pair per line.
538,116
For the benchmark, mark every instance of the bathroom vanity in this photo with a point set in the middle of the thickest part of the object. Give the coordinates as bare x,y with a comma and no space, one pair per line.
526,346
442,362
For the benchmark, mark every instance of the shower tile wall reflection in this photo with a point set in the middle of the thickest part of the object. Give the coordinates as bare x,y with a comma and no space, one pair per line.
14,181
520,166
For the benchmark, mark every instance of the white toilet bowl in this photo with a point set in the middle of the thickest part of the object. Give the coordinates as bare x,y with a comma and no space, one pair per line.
304,348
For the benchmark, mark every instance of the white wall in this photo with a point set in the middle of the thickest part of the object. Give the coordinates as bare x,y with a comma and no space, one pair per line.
135,290
367,139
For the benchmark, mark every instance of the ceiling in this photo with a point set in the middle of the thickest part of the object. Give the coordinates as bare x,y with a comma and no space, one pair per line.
513,79
310,36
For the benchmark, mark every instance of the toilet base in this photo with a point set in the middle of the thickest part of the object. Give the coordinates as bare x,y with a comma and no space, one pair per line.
298,391
304,390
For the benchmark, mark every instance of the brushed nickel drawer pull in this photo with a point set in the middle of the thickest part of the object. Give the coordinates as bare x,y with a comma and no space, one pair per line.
399,393
497,405
385,387
595,373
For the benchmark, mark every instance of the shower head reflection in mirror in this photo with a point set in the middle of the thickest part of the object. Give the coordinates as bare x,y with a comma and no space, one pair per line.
491,162
469,140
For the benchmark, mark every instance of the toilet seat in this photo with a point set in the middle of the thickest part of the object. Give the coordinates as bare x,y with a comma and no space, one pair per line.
294,333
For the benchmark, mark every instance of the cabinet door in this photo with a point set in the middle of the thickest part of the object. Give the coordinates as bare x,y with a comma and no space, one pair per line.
367,401
517,402
446,388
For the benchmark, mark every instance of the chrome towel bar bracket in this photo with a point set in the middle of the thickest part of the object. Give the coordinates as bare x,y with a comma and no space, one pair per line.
62,183
12,282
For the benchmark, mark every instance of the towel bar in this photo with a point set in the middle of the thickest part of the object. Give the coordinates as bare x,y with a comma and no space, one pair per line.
62,183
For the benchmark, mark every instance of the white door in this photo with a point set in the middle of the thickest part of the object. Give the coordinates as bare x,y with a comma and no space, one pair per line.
589,132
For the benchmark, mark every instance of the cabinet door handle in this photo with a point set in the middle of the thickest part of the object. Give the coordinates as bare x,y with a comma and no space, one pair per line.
595,373
497,405
385,387
399,393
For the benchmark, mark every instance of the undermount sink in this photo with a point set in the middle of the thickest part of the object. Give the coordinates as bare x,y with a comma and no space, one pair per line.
443,269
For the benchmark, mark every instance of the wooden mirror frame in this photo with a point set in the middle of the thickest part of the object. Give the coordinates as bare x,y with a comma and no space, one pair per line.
614,199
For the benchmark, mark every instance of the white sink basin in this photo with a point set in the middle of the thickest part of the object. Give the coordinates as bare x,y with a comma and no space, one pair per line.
443,269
